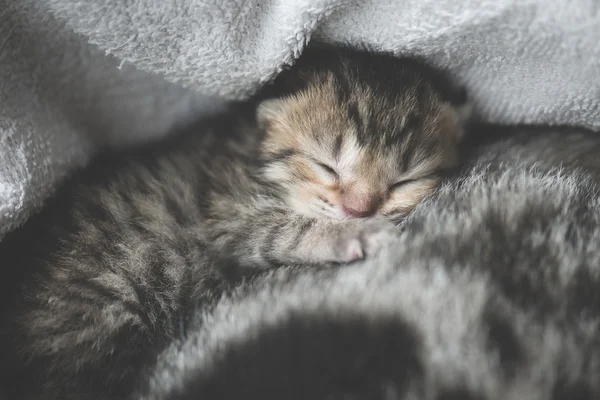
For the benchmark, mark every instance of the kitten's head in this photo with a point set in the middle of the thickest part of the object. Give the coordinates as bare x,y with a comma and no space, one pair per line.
357,134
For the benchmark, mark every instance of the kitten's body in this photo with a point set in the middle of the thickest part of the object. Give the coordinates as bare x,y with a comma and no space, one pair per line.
110,269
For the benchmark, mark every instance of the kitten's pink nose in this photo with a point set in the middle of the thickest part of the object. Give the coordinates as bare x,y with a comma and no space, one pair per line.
350,212
358,208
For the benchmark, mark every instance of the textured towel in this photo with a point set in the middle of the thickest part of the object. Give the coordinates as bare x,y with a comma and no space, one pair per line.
71,75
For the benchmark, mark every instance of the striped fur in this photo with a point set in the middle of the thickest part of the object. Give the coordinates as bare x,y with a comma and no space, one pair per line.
105,276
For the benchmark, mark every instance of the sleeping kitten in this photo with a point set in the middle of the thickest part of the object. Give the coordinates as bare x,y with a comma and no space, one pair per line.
114,263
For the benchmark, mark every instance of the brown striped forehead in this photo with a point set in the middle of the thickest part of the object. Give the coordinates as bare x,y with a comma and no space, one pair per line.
409,128
313,116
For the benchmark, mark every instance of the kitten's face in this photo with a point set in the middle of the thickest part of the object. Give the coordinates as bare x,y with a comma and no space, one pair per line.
360,153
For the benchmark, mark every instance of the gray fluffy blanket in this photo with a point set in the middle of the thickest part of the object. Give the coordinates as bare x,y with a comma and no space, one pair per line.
492,289
77,75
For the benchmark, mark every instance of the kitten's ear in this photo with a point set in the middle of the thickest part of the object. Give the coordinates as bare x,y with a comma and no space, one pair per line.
268,110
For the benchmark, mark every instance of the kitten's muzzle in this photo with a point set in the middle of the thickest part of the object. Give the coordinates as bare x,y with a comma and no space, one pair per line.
359,206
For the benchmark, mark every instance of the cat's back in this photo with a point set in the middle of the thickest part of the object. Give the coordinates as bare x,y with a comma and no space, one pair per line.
127,211
150,191
119,243
101,197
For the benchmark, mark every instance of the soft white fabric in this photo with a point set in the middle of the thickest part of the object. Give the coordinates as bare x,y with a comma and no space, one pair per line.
76,75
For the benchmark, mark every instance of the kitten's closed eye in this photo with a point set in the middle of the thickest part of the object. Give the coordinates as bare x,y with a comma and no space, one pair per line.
326,170
408,183
401,184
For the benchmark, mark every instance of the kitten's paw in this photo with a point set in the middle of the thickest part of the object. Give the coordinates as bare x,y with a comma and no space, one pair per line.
361,238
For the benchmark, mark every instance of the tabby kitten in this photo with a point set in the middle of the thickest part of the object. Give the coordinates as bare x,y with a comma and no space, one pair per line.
115,262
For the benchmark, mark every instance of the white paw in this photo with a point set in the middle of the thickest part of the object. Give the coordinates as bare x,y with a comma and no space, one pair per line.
358,239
